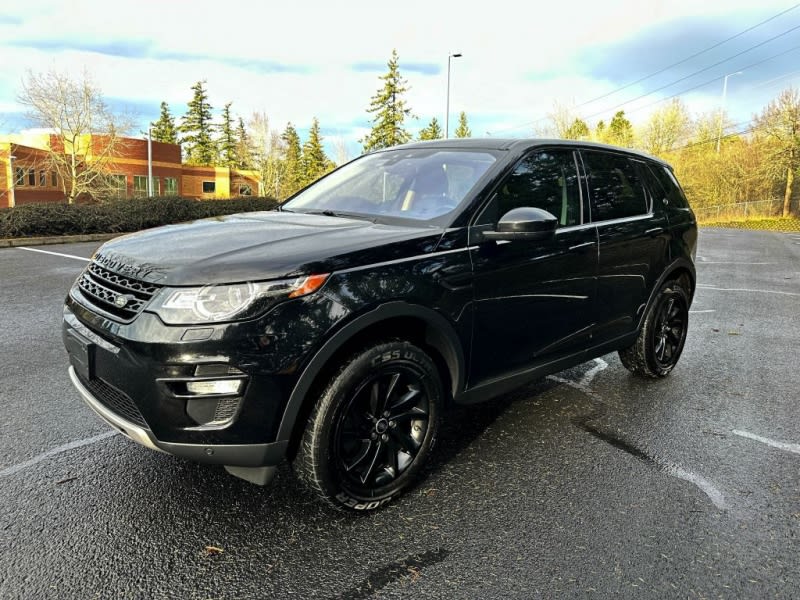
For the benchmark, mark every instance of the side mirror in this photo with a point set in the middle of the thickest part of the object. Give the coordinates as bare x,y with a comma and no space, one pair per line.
524,223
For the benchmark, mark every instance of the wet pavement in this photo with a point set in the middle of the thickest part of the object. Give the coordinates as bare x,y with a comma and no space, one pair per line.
589,483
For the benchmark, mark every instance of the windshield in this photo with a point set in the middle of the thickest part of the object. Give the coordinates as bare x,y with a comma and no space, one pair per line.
419,184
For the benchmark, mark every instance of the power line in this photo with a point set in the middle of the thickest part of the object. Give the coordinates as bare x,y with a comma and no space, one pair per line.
703,70
695,55
699,85
688,58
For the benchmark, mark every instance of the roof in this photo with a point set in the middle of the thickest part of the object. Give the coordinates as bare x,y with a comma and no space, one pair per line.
518,144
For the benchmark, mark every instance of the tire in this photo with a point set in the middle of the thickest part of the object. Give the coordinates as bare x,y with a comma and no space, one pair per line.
373,428
663,335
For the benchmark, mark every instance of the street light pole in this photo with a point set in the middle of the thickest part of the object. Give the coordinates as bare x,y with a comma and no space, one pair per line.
12,199
722,108
447,113
149,161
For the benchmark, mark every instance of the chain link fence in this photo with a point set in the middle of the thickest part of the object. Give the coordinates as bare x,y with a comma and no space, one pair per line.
742,211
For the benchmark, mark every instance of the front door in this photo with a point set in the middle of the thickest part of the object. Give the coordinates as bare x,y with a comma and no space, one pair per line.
533,299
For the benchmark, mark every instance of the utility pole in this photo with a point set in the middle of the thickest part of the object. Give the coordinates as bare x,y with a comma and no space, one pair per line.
150,161
722,108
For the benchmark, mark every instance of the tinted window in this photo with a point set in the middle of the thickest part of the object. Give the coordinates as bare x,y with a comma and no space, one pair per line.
546,180
669,186
615,189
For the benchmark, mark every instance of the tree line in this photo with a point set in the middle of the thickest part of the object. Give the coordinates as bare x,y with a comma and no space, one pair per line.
719,163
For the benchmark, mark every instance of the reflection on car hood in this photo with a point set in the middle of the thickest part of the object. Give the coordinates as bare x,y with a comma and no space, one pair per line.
260,246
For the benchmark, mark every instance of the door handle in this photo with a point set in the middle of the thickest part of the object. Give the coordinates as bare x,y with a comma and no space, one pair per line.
584,245
654,231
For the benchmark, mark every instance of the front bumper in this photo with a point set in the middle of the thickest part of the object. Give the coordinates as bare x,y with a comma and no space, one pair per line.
253,462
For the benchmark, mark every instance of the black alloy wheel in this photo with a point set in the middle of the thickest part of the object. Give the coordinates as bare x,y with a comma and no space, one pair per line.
373,427
381,429
663,335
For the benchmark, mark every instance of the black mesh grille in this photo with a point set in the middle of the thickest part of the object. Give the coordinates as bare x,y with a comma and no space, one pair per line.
226,409
103,289
114,400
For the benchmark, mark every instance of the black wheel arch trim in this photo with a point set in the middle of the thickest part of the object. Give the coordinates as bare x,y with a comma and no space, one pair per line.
443,337
669,272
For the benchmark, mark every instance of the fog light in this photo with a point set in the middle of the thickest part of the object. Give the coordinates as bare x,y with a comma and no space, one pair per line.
221,386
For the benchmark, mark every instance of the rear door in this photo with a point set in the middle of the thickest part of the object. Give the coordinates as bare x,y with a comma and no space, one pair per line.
633,241
533,298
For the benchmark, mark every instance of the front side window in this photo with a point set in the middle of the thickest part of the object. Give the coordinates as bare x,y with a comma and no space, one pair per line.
615,189
419,184
209,187
546,180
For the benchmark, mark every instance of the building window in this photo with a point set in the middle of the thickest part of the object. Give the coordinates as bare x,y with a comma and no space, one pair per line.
170,186
43,178
209,187
245,190
31,177
19,176
120,185
156,186
140,186
53,179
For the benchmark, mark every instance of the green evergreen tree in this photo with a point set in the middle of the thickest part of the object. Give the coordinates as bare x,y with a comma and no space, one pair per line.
196,129
314,161
432,132
463,130
620,131
164,129
244,147
292,159
389,110
227,140
579,130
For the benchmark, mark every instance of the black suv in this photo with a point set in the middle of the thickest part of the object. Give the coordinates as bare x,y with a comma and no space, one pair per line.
334,331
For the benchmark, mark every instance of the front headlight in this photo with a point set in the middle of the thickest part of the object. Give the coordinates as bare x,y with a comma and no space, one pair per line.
216,303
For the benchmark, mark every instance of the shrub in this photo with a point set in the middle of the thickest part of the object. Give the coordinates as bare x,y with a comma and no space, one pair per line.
121,216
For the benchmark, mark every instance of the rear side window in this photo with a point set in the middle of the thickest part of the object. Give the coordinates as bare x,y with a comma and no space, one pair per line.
615,189
669,186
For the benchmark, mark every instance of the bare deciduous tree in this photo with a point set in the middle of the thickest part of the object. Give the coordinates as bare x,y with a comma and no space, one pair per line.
85,135
780,123
267,155
666,128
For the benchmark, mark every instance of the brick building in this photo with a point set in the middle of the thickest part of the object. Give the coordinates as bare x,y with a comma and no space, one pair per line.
25,179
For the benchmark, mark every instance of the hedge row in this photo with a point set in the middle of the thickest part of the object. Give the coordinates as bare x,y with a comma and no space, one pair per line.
120,216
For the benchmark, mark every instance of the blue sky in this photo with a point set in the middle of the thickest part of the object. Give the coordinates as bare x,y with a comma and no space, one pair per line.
306,59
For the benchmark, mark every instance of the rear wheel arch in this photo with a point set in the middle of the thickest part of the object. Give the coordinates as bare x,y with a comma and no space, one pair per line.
393,321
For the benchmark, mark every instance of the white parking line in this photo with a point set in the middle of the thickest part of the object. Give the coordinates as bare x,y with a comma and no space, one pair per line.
53,253
795,448
732,262
695,312
54,451
719,289
701,482
600,365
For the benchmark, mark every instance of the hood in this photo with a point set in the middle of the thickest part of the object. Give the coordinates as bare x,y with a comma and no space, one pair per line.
260,246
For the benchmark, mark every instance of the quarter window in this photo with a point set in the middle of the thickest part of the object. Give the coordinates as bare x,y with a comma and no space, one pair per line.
546,180
615,188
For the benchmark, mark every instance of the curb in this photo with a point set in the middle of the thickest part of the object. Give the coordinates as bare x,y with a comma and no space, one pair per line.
62,239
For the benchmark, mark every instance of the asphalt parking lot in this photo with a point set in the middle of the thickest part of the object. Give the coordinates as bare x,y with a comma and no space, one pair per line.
589,483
